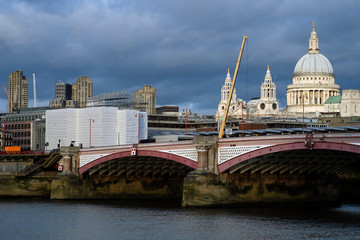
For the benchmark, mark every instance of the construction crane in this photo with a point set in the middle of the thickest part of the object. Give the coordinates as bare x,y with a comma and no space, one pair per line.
10,101
221,130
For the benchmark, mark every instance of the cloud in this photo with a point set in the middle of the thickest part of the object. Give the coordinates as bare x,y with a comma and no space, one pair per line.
183,48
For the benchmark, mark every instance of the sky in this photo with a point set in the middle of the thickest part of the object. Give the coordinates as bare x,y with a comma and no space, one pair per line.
181,47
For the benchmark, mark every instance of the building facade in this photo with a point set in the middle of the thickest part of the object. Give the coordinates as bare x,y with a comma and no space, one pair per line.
313,81
82,90
95,126
63,91
63,96
350,103
268,105
313,92
20,126
235,104
149,94
18,91
5,140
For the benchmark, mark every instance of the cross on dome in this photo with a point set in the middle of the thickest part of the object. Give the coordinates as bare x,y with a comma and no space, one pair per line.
313,26
268,74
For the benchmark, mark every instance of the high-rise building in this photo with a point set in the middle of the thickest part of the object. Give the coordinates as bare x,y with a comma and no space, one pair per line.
63,91
82,90
63,96
149,95
18,91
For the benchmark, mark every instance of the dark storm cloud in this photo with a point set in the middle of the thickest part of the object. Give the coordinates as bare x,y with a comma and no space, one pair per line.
183,48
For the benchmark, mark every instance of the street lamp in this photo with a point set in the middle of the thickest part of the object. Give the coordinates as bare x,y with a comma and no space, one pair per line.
91,120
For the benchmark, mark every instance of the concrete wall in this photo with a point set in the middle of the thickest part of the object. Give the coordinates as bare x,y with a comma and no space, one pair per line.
204,189
25,187
123,187
11,166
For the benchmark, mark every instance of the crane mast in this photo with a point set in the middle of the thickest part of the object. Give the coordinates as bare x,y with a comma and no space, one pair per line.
221,131
11,103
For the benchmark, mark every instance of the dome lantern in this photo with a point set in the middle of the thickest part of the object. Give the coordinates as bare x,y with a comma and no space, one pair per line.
313,41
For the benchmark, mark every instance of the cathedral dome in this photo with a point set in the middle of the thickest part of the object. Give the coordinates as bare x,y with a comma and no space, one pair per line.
313,63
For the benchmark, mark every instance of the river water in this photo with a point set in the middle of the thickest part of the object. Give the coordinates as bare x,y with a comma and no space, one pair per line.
42,219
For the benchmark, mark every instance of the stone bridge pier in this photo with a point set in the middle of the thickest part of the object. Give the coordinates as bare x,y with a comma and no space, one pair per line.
67,182
207,187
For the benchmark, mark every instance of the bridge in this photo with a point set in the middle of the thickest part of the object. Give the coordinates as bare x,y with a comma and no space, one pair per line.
208,171
282,154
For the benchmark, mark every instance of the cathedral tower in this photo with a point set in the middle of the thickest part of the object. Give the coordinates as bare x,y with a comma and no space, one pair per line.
268,104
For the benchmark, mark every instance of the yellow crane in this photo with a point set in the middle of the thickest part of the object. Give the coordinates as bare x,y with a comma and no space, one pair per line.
10,101
221,130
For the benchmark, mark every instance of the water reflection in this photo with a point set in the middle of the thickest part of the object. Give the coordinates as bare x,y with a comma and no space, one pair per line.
110,219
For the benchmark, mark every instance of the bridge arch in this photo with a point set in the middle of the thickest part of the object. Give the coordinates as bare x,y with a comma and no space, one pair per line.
143,153
317,145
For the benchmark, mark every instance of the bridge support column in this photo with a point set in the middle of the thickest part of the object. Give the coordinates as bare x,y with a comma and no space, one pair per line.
205,175
207,154
67,184
69,163
202,151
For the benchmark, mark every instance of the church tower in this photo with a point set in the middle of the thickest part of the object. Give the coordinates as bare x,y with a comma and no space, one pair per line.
268,104
235,103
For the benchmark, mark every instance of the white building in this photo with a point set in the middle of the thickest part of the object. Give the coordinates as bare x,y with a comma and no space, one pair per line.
268,105
313,81
313,91
98,126
350,103
235,103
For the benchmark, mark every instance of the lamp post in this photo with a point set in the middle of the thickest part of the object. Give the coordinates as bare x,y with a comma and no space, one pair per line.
242,118
186,116
91,120
302,98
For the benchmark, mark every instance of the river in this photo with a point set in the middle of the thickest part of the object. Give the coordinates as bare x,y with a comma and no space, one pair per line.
110,219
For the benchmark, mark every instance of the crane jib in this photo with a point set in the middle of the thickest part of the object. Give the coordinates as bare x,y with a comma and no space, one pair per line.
221,130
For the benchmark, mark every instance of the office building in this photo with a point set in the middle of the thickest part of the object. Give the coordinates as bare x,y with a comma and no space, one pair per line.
18,91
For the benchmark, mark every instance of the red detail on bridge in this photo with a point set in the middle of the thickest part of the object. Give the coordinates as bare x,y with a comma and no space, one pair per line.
145,153
346,147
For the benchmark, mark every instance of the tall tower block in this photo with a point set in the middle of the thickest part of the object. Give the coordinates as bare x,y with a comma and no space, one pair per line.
18,90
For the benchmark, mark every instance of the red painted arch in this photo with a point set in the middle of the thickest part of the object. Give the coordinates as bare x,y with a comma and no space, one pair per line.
335,146
146,153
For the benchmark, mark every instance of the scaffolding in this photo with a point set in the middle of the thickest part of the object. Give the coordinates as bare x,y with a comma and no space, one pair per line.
120,99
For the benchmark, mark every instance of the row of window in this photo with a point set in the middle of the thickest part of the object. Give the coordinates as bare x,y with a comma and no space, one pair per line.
21,142
22,134
18,126
23,118
311,78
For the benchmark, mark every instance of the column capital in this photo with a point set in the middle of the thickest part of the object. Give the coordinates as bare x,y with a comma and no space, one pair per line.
202,147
